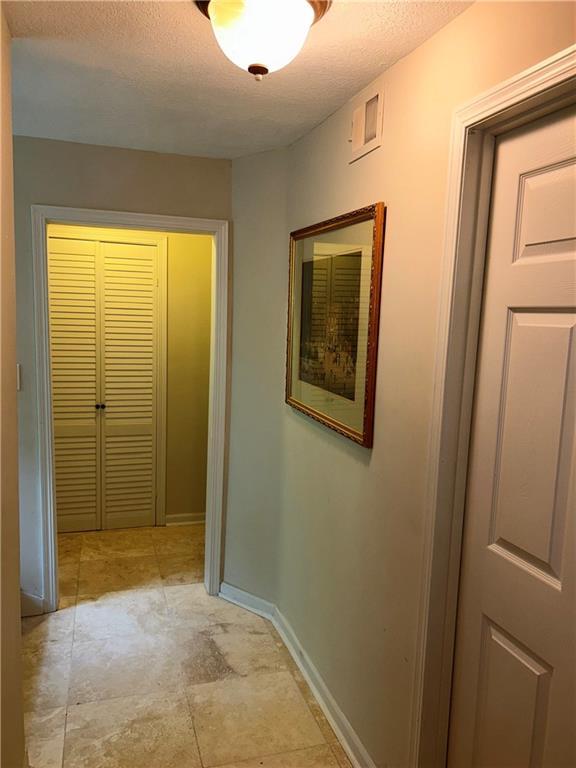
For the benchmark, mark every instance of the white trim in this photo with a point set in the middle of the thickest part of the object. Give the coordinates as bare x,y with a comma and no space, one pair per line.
543,88
161,402
31,605
247,600
347,736
217,418
186,518
217,432
44,398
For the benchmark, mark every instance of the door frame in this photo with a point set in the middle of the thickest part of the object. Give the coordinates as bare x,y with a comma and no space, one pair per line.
42,215
540,90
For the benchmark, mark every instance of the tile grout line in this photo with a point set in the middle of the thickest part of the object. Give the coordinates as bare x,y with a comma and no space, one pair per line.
188,698
71,658
192,720
271,754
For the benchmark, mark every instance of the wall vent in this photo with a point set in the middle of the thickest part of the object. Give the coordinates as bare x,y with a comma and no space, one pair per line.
367,124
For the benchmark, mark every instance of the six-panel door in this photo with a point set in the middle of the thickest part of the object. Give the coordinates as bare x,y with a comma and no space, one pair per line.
515,668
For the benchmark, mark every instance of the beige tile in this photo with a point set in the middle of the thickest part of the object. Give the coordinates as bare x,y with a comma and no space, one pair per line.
68,579
106,545
50,627
117,614
195,531
315,757
283,650
251,717
309,697
66,602
323,724
200,658
314,707
199,530
45,737
174,531
135,732
69,546
175,547
119,666
181,569
46,674
190,605
341,756
178,540
247,653
123,573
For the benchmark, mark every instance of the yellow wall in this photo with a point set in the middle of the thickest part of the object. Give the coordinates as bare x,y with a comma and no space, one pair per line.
189,279
11,729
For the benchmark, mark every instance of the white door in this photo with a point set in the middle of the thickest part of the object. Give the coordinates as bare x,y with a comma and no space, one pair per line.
515,667
104,336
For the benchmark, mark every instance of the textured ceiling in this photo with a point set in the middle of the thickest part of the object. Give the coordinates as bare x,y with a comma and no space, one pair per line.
149,75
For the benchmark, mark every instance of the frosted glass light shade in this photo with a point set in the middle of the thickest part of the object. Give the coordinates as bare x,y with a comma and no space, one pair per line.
261,35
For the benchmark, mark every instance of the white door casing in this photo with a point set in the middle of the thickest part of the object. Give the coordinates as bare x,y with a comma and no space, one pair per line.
515,669
542,89
218,402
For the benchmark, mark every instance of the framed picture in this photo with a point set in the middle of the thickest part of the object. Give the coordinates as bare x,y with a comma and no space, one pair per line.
333,316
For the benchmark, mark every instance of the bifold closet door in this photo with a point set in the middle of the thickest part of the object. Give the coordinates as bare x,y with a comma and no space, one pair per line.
129,364
74,342
103,304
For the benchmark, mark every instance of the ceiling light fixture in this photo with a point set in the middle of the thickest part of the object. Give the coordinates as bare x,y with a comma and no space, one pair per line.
262,36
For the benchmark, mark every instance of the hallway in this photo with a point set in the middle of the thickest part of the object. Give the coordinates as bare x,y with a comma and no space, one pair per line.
139,667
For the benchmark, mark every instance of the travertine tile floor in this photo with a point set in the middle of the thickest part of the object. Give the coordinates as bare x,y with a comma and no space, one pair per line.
141,669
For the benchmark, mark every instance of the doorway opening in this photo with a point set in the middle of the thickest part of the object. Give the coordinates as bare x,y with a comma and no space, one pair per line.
131,364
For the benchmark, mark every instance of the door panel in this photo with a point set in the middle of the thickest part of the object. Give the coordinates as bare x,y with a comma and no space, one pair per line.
512,711
536,439
74,347
129,378
515,667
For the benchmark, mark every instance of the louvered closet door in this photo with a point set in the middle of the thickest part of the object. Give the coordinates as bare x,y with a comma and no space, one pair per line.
73,290
129,382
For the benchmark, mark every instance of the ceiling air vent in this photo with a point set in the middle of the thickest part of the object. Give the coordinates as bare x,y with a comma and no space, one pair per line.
367,124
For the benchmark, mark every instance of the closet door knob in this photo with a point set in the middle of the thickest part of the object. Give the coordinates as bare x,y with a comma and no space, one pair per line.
103,406
97,406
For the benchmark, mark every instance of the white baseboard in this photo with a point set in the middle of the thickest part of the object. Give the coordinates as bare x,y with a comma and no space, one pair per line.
185,519
31,605
246,600
347,735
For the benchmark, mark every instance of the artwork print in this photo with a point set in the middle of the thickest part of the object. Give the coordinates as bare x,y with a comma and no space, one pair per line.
334,305
329,323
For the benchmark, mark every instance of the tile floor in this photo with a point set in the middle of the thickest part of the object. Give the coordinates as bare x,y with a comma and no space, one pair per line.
140,667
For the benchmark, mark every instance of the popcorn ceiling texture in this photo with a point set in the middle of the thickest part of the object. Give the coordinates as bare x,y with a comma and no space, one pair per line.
149,75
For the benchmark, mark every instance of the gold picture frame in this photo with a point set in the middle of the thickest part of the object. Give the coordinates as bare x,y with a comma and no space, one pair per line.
333,317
